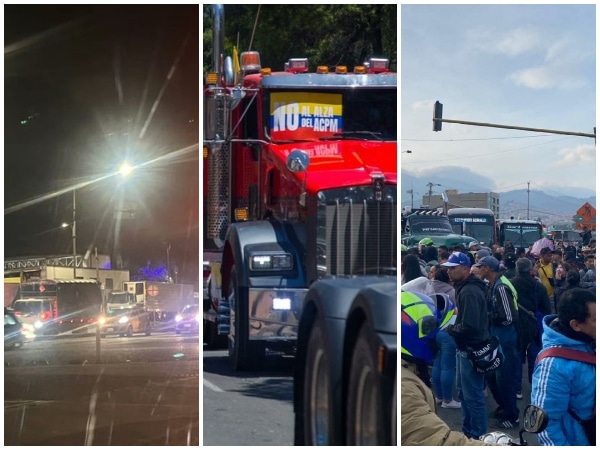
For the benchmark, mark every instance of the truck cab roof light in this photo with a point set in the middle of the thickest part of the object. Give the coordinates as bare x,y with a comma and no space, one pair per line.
265,72
360,69
297,65
322,69
378,65
250,61
341,69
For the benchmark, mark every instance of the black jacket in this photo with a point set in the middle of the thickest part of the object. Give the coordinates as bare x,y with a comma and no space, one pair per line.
586,237
532,294
471,327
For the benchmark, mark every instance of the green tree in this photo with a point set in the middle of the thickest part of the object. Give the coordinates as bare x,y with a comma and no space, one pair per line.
325,34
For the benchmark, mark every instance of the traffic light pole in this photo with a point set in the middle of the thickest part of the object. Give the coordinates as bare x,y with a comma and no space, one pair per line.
437,124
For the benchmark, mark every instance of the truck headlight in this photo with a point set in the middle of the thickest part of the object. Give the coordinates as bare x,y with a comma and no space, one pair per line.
124,319
102,320
38,324
282,304
282,261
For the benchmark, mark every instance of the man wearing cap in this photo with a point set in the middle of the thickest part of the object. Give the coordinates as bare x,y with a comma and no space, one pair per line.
503,315
473,246
470,330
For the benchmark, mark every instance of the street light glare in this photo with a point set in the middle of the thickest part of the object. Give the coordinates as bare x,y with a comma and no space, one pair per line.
64,225
125,169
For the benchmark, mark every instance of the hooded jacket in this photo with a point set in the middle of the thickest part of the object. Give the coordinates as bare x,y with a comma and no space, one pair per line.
420,425
559,384
531,293
471,328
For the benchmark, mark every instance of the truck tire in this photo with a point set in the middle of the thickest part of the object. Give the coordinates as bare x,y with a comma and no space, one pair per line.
318,411
367,422
243,353
394,424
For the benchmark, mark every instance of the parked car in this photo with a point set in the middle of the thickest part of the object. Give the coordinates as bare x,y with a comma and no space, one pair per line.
13,330
188,320
125,321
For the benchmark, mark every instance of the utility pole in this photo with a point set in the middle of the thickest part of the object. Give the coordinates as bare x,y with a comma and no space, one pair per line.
74,236
528,200
430,184
410,191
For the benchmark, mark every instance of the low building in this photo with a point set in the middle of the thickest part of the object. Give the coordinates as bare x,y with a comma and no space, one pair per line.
488,200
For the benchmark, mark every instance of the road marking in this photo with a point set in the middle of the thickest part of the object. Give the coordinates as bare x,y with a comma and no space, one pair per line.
211,386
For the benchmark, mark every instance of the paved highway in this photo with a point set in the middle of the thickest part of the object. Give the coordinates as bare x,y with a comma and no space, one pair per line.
142,391
247,408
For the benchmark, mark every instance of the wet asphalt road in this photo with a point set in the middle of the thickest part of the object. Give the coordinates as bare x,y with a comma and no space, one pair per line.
142,391
259,403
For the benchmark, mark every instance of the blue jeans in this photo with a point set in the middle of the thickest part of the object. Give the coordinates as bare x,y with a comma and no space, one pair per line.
470,386
504,382
444,366
532,351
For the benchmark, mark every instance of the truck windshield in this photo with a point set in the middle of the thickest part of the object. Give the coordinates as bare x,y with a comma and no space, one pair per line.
438,226
120,298
522,235
32,307
335,113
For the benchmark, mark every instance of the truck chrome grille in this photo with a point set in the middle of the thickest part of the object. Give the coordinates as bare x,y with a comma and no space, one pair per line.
358,237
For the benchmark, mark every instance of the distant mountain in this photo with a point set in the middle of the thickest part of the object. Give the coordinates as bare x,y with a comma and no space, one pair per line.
550,206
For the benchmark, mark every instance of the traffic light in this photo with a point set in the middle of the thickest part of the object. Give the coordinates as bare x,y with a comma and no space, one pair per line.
437,114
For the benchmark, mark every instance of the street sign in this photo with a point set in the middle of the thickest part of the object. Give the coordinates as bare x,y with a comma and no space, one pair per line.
587,212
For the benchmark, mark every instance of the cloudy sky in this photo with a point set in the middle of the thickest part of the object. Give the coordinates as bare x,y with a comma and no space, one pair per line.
521,65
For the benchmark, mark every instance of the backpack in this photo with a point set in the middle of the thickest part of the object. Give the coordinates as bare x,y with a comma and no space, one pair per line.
589,425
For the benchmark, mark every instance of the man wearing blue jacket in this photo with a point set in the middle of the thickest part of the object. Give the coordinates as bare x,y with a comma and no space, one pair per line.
560,384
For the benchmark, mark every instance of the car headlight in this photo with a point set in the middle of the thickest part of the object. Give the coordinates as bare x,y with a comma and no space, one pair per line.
178,318
124,319
281,261
38,324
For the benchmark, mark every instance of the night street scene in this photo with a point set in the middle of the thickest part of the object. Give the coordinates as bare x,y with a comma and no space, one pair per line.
101,228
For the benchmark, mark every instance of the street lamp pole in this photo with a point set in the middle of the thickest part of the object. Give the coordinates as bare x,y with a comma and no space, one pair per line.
74,236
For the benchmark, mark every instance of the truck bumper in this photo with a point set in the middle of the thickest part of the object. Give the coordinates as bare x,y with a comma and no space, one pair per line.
274,313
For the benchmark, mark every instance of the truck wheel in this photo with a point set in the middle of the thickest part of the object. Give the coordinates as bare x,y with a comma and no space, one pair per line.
367,422
394,424
243,354
318,410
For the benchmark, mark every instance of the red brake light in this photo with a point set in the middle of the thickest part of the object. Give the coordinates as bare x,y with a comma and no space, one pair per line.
45,315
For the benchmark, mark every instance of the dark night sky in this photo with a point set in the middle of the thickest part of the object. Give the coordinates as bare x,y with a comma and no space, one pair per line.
85,78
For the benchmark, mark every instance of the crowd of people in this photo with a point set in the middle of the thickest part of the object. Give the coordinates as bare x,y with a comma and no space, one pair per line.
521,300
